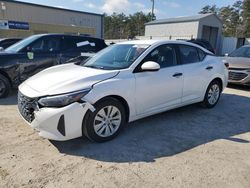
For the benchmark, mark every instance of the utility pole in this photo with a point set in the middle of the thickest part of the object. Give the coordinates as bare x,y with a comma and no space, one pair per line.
153,7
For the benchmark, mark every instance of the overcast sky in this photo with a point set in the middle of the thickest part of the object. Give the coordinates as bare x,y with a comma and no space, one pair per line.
163,8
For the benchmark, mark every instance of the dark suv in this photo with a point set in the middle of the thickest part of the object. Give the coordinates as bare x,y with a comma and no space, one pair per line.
7,42
203,43
38,52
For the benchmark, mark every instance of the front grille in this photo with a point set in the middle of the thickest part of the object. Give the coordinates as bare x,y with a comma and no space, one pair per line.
241,69
26,107
237,76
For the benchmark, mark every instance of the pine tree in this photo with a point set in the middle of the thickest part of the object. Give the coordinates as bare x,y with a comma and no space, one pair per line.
120,26
209,9
246,17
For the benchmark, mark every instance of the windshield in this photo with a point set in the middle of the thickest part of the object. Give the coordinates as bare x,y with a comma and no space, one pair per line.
241,52
118,56
21,44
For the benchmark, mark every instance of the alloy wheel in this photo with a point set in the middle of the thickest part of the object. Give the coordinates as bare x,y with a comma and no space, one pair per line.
107,121
213,94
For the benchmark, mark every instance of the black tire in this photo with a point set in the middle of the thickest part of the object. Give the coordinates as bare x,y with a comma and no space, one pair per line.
206,103
88,121
4,86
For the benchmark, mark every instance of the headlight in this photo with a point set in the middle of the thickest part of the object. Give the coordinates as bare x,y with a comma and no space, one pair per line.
63,100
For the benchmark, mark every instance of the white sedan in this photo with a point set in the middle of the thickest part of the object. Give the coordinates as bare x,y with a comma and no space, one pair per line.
120,84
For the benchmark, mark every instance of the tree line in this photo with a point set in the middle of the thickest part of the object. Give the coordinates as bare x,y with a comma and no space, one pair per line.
235,18
120,26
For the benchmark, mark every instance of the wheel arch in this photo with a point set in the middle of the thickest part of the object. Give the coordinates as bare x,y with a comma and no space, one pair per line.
122,101
7,76
220,82
215,78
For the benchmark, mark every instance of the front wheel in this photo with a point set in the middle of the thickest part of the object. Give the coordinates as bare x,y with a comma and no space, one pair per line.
106,122
4,86
212,94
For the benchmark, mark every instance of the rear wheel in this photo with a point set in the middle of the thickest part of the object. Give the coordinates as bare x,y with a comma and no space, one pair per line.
106,122
4,86
212,94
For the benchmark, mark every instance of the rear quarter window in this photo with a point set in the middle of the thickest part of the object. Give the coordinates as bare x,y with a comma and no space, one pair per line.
202,55
189,54
83,44
86,45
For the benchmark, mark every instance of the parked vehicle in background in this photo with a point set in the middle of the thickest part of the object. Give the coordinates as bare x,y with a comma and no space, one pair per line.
35,53
7,42
120,84
80,59
239,66
205,44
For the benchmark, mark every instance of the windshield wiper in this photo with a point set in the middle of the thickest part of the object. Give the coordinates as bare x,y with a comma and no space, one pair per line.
94,67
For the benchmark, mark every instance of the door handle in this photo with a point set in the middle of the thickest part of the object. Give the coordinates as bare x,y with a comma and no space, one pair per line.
177,75
209,68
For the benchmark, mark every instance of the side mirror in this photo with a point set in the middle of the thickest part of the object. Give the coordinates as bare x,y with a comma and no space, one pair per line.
150,66
25,49
226,55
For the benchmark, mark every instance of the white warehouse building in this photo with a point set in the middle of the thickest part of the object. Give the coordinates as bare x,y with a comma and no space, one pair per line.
203,26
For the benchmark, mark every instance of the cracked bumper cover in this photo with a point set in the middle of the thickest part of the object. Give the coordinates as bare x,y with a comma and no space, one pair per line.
46,121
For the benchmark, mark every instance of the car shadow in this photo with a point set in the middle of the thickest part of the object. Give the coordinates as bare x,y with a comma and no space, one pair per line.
239,87
168,133
10,100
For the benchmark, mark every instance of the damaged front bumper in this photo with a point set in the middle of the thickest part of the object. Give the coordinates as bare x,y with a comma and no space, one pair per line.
60,124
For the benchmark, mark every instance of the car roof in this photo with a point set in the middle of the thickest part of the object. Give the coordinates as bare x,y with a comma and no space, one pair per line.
151,42
155,42
68,35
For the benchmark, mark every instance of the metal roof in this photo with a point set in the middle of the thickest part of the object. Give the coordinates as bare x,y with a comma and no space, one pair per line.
50,7
182,19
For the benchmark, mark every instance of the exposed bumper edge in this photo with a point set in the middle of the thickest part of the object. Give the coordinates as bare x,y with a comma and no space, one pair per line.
47,119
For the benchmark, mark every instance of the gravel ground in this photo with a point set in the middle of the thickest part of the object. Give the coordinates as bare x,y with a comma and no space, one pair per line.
186,147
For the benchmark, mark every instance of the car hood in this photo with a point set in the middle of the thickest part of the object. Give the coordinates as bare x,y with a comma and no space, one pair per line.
238,62
63,79
5,57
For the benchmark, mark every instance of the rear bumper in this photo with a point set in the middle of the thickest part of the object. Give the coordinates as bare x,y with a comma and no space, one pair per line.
60,123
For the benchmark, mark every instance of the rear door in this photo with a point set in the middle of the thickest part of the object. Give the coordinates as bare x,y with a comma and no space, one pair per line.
40,55
196,71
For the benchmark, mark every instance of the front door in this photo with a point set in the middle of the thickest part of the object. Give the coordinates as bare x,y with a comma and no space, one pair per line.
158,90
40,55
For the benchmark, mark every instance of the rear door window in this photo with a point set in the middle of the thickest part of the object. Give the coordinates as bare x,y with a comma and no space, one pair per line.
69,43
188,54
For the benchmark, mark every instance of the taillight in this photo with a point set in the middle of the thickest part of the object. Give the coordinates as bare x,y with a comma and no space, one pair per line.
226,65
